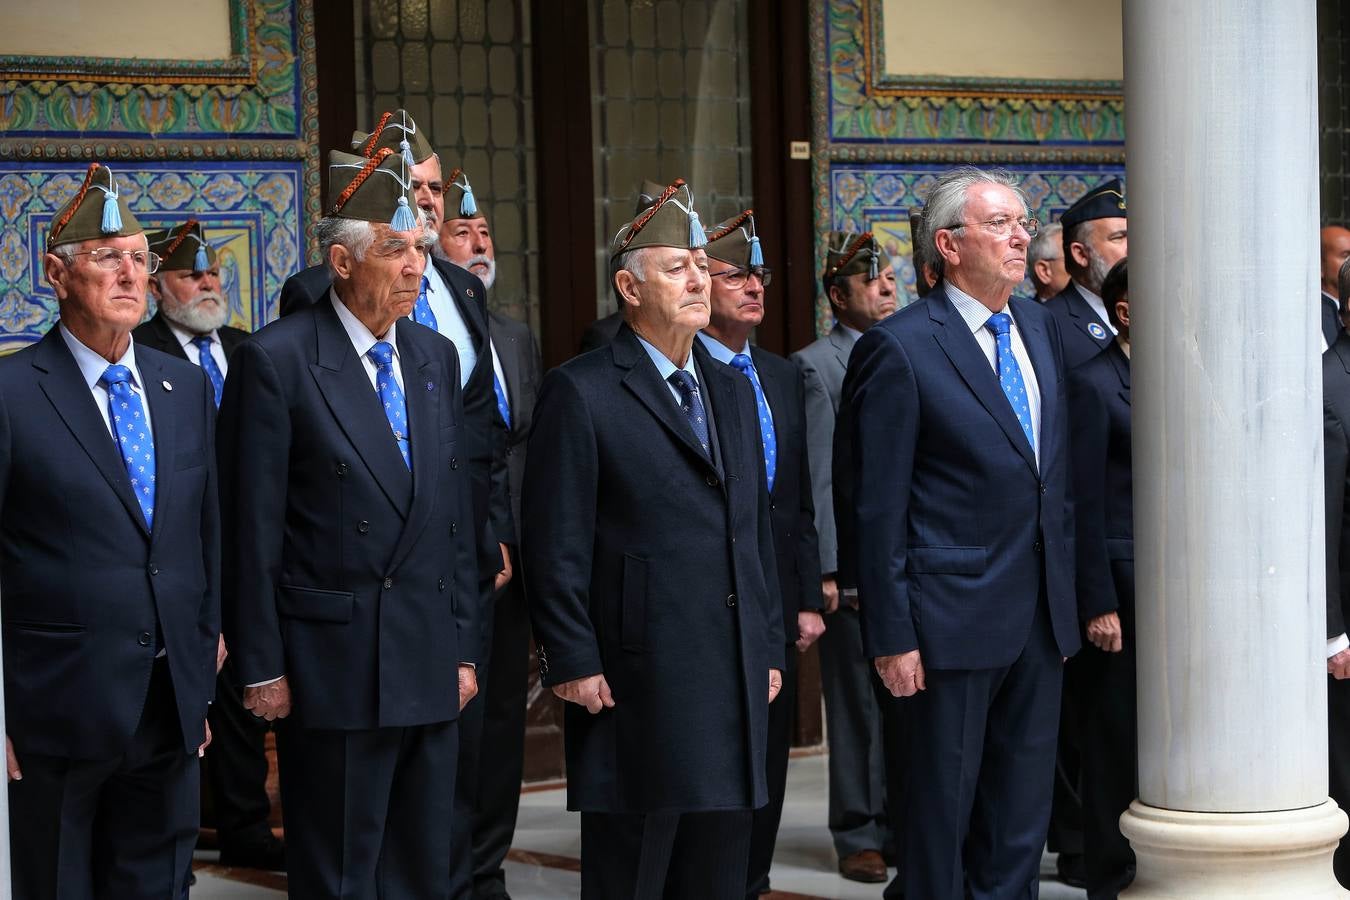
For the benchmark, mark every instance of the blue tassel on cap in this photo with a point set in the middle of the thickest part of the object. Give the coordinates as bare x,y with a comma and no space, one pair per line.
468,206
407,152
201,262
696,236
403,218
112,216
756,254
872,272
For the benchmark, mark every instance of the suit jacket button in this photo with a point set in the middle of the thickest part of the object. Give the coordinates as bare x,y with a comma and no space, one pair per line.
773,506
454,462
143,639
388,583
154,569
453,528
712,480
363,526
1043,487
731,600
1036,547
440,583
341,469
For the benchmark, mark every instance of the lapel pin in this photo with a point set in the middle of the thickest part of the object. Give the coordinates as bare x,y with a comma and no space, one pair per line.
469,291
167,385
1097,331
431,386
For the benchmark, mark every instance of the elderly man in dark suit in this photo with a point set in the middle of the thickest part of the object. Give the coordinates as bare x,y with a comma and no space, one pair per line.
189,322
739,278
1095,239
1101,696
853,716
109,556
351,604
492,729
452,301
959,433
651,579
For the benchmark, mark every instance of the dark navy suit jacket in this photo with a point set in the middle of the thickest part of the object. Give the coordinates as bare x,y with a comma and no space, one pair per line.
959,531
1084,334
85,583
344,571
155,332
1336,439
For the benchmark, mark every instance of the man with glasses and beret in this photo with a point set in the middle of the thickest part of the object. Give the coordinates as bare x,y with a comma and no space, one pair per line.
110,561
958,433
739,279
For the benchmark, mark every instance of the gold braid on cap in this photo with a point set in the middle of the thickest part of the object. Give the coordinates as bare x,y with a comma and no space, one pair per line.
75,204
371,165
730,226
851,252
450,182
178,241
375,135
646,217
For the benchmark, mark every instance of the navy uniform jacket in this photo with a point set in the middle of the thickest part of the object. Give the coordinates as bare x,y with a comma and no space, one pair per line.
1103,499
487,450
1084,334
84,583
344,571
791,508
646,562
958,530
523,368
156,333
1336,419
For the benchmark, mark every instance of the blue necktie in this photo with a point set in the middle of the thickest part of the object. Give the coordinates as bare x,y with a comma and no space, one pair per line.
503,407
133,437
208,364
1010,373
692,406
391,395
422,313
746,367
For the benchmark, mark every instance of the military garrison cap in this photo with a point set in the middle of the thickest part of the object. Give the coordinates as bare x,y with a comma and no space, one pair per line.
670,221
378,189
735,241
848,253
460,202
1105,201
97,210
397,131
182,247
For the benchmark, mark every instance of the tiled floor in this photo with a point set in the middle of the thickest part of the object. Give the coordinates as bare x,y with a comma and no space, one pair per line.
548,843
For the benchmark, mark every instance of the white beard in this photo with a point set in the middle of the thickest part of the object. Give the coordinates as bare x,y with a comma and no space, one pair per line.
487,277
193,316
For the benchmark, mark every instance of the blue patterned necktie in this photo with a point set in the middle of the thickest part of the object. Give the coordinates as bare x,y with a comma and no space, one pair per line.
503,406
133,437
422,313
743,364
692,406
208,364
391,395
1010,373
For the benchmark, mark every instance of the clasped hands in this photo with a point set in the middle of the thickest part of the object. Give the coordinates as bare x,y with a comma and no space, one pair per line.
272,701
593,691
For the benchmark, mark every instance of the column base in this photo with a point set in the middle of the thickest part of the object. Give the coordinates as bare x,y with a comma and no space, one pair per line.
1196,856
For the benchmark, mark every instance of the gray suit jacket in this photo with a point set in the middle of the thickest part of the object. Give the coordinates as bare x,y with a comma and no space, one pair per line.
823,364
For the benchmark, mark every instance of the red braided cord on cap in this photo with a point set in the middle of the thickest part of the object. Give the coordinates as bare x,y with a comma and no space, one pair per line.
182,236
851,252
375,135
646,217
730,226
371,165
62,222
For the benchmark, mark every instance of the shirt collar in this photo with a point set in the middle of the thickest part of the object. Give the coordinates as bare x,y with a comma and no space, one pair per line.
92,366
186,337
720,351
975,313
361,338
663,363
1091,297
435,283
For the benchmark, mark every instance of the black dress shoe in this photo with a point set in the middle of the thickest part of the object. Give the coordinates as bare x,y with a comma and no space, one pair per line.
266,852
1071,870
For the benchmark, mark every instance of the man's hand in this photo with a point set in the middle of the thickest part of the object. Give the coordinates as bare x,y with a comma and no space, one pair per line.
269,701
830,588
505,574
1339,665
468,684
221,654
775,683
810,626
591,692
1104,632
201,751
11,761
902,673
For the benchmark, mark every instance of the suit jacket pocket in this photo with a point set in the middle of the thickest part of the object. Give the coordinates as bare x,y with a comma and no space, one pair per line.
314,604
947,560
189,459
633,626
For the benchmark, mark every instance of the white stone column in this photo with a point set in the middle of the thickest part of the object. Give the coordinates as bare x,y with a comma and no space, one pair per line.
1223,194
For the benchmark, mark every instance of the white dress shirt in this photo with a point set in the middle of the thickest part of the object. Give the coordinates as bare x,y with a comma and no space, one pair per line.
362,340
92,366
450,323
185,338
976,316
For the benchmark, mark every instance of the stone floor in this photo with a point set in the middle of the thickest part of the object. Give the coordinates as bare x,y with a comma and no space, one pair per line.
543,864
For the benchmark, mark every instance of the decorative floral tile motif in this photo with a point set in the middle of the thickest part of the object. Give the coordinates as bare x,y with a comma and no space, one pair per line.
251,211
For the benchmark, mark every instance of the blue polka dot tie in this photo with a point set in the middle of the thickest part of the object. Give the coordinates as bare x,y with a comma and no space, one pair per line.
208,364
692,406
743,364
132,432
1010,373
503,405
422,313
391,395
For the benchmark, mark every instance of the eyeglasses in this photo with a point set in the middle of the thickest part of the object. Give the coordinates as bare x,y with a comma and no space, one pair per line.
1003,226
110,258
736,278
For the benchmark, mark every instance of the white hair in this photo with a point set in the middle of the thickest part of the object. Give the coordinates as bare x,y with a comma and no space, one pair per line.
357,236
946,206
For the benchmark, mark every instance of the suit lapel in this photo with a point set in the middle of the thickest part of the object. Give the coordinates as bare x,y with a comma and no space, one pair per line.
1086,319
843,347
1121,363
509,354
471,306
973,366
162,430
422,387
645,383
780,404
719,389
168,341
346,388
67,391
